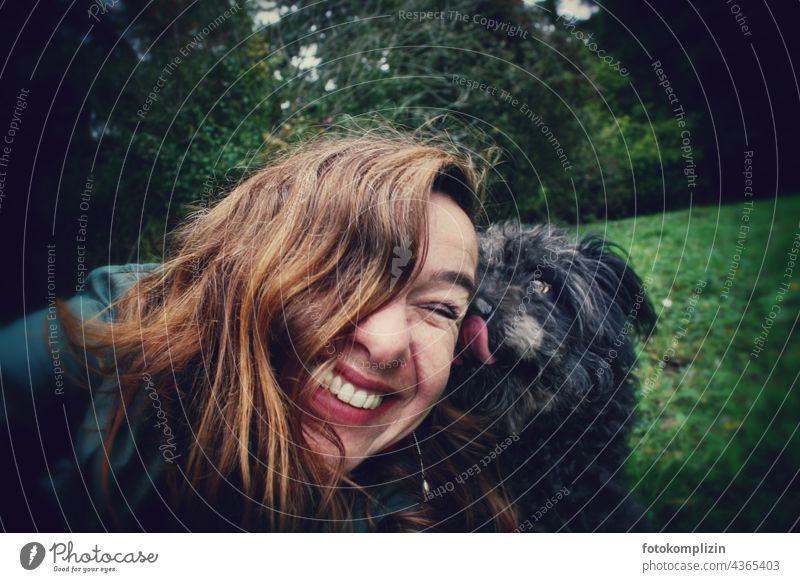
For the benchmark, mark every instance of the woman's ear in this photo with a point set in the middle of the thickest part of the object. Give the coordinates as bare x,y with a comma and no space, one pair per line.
473,342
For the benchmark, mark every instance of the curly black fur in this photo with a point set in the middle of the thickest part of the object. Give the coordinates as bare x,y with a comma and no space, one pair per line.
562,319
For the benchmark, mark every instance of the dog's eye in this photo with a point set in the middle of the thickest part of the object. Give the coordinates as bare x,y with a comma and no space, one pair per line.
539,286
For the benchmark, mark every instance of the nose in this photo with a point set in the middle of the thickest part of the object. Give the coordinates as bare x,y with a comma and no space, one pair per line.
483,307
385,334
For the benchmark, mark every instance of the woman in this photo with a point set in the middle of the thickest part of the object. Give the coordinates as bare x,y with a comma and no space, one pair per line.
285,369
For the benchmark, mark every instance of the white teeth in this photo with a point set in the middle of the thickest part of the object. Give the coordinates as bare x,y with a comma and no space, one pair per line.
349,394
346,393
359,399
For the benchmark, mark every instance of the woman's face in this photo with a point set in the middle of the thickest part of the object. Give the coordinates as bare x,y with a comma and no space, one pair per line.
395,365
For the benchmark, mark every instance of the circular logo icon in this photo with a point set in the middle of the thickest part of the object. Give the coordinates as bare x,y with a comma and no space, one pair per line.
31,555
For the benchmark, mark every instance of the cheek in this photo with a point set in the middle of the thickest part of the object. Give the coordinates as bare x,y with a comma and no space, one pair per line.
433,360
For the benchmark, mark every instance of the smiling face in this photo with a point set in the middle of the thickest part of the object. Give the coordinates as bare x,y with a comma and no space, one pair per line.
393,368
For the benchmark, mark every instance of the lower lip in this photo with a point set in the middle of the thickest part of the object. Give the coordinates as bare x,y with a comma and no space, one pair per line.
330,408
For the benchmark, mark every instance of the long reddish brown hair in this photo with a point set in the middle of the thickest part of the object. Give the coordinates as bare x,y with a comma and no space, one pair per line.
254,289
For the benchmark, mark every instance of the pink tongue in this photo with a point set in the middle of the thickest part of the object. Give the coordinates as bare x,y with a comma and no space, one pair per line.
476,339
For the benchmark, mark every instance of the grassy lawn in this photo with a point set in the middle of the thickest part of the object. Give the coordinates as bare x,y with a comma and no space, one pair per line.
717,445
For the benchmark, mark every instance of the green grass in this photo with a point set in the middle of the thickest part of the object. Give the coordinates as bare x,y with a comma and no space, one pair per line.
717,441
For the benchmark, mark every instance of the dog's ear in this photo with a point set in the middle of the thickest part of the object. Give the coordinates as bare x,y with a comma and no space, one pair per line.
620,289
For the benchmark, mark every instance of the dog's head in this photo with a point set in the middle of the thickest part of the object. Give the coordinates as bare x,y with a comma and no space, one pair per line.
558,319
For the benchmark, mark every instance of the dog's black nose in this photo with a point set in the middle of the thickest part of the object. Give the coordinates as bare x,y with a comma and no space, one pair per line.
483,307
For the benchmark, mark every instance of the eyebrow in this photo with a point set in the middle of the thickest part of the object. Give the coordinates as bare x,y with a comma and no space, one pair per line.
459,278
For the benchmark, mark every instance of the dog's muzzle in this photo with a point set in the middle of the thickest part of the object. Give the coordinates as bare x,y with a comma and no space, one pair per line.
483,307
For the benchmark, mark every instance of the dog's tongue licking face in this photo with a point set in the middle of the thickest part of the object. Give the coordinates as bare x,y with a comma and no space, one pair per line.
475,336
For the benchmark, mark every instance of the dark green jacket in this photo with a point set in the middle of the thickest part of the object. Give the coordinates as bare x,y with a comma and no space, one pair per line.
53,435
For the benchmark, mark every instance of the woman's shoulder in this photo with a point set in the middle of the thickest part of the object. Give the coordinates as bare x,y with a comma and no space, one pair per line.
32,348
107,283
41,375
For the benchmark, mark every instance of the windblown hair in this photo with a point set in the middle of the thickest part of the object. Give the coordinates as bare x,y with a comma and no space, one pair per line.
255,288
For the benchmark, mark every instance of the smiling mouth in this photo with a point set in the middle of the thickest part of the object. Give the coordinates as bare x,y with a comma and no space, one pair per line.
350,394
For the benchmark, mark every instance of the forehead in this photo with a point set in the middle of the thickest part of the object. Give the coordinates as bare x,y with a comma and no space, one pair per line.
452,242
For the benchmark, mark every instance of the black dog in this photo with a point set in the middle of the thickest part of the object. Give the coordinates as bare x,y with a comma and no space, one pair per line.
561,319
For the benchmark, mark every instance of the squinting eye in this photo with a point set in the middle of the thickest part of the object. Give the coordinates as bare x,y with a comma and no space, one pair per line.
443,309
540,286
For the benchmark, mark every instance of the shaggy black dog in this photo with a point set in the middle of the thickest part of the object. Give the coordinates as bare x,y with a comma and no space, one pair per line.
561,319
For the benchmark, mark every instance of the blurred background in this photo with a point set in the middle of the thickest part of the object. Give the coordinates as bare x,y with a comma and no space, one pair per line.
668,126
